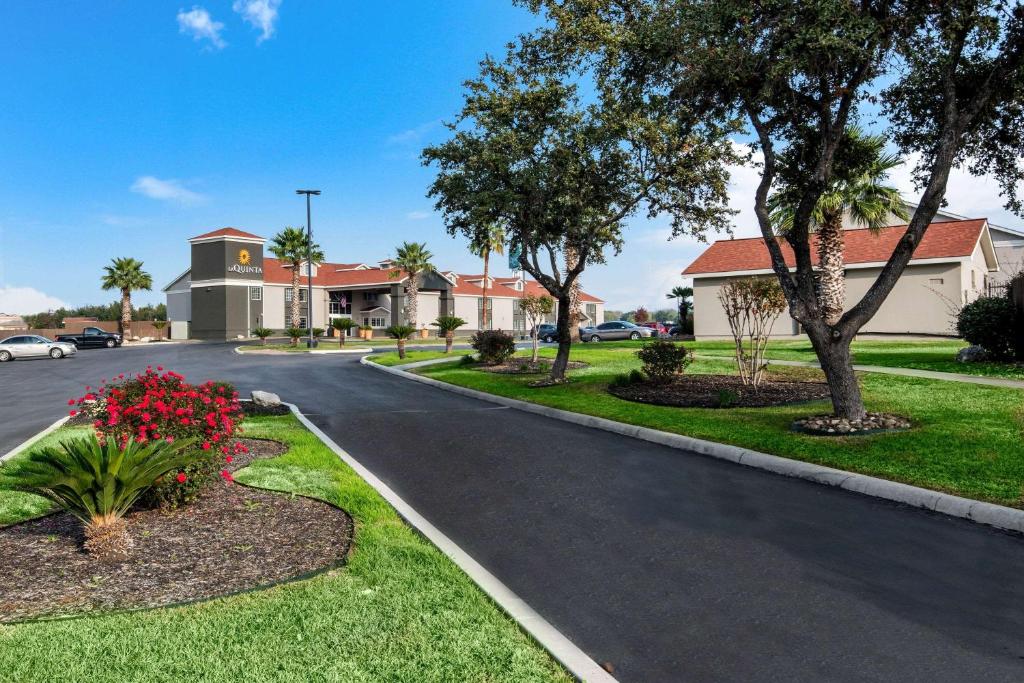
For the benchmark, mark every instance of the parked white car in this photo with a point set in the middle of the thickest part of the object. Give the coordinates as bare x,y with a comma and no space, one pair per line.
33,346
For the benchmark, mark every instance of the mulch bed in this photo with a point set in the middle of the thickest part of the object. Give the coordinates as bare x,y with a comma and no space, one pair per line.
720,391
523,366
232,539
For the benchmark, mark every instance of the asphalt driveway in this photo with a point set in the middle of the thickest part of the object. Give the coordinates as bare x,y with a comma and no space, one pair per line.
669,565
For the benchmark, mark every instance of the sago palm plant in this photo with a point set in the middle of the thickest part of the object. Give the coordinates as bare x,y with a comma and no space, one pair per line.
291,247
98,482
402,334
343,325
447,324
858,188
126,275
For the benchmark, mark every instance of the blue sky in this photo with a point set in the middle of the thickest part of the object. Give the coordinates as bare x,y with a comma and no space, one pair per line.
129,127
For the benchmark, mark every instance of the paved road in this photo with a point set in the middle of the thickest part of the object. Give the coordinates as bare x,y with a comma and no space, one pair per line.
669,565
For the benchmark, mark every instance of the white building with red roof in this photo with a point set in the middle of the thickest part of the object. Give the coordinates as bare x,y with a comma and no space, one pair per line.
232,288
956,262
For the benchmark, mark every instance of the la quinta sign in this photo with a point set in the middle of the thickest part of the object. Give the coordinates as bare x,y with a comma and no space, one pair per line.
244,264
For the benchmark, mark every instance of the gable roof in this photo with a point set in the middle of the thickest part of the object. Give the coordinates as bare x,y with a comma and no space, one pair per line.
329,274
227,232
944,240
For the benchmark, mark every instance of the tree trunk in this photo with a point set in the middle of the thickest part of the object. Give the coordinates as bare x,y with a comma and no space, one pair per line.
449,338
295,294
564,338
401,349
126,313
536,344
837,364
572,258
412,291
832,290
263,341
341,336
483,287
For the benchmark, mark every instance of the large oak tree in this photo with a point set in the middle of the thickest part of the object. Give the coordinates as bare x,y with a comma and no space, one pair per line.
563,175
942,80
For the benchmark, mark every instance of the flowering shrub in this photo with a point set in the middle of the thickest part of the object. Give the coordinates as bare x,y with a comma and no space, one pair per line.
159,405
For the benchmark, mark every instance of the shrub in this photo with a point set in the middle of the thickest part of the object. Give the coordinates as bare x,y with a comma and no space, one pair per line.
991,323
98,480
263,333
637,376
752,306
294,333
402,334
663,360
448,324
493,347
318,332
343,325
160,406
620,380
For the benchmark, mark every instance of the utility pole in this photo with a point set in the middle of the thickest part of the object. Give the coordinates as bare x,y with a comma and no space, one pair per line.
310,343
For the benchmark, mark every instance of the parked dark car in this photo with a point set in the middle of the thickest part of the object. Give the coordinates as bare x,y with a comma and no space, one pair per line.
547,332
92,337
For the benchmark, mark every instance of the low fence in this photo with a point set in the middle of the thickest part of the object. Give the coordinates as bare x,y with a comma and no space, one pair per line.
140,328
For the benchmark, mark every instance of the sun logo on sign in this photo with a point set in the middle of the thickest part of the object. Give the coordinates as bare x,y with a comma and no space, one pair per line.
243,257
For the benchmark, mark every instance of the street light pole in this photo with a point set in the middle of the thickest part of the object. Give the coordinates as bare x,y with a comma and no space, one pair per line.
310,343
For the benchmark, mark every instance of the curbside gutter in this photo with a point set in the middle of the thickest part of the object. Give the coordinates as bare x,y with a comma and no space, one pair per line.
551,639
999,516
27,443
274,352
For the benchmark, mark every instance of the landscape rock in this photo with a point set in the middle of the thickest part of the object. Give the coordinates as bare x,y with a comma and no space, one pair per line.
972,354
266,399
832,425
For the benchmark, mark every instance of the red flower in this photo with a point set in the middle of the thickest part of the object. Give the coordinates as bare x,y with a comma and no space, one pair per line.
71,401
181,477
72,413
229,459
226,476
206,445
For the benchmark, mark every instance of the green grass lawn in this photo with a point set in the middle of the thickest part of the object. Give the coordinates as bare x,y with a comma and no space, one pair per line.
391,359
938,355
398,611
967,439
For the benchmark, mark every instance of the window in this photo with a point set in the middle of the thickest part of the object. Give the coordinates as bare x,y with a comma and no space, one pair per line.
303,324
256,293
936,280
592,313
370,297
610,326
375,321
480,311
340,303
974,279
288,295
518,317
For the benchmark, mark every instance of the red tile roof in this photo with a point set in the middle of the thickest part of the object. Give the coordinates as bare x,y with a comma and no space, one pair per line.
227,232
328,275
536,289
948,239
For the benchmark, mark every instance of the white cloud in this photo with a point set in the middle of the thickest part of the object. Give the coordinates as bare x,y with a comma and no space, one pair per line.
412,136
418,215
261,14
26,300
165,190
198,23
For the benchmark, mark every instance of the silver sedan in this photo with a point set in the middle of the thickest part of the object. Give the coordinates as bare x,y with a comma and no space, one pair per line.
33,346
616,329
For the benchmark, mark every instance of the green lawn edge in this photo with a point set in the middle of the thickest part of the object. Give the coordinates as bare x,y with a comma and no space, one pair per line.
398,610
391,359
966,439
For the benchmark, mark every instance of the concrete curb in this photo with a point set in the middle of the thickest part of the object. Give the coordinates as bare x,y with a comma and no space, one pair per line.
275,352
551,639
978,511
422,363
32,439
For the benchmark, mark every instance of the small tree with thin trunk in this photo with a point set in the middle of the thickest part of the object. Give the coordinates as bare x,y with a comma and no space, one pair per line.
342,325
447,324
683,297
126,274
536,308
401,333
752,306
641,316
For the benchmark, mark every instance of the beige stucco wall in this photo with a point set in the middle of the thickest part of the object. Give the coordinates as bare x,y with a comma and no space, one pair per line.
922,302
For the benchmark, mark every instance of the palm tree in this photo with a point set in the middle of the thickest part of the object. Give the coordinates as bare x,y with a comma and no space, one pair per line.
414,259
126,274
491,240
342,325
291,247
402,334
858,190
448,324
682,295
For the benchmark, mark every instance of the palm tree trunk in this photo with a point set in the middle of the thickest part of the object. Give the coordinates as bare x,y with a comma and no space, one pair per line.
449,338
295,293
483,287
401,348
832,292
571,259
126,313
341,336
412,291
